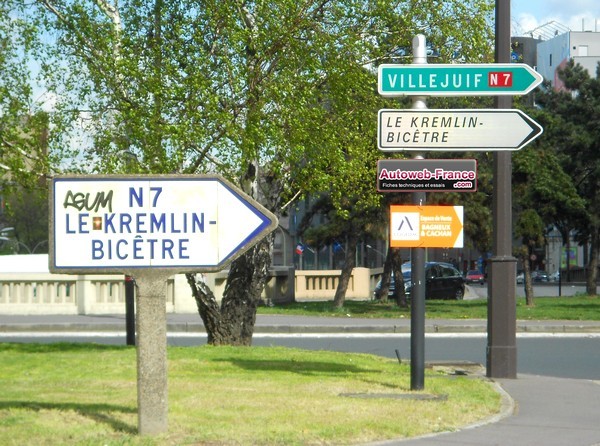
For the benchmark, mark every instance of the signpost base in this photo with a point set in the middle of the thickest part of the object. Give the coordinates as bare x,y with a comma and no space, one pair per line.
502,320
151,325
502,360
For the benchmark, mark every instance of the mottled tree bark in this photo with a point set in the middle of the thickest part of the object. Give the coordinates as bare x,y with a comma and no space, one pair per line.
527,283
592,275
382,292
232,323
350,263
399,295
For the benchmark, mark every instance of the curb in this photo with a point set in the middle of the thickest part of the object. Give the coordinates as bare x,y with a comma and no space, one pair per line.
185,327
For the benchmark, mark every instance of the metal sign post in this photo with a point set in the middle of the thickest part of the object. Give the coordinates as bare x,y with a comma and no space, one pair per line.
417,310
417,307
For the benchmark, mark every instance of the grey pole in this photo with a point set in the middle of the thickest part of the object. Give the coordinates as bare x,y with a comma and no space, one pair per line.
501,346
129,310
417,307
151,325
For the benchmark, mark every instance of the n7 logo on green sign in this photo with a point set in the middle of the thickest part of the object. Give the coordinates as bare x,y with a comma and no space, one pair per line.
500,79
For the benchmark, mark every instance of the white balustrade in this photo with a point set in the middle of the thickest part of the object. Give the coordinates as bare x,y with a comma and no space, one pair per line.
45,293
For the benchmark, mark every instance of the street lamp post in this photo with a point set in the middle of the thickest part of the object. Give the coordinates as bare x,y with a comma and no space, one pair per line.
383,256
19,243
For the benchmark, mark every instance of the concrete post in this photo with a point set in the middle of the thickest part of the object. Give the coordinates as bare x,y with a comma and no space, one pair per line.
86,295
151,323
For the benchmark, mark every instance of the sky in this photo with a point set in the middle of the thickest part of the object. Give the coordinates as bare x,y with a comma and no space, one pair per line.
527,15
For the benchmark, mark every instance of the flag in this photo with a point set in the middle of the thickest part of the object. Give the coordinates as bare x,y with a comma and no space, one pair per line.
299,249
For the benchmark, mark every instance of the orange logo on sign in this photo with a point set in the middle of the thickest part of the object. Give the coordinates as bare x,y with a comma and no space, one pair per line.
426,226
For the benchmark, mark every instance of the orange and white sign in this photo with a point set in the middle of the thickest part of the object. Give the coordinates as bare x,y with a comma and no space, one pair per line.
426,226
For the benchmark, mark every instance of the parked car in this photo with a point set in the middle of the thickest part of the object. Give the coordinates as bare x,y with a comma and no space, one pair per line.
540,276
520,278
475,276
555,276
442,281
391,288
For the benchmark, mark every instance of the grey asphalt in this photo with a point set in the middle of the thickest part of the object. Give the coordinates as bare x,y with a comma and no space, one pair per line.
537,410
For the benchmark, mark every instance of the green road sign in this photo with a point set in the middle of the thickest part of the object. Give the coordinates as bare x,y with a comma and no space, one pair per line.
457,79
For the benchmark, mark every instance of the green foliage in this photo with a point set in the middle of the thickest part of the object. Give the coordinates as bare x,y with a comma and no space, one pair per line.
173,87
23,129
541,178
27,212
571,123
338,223
530,228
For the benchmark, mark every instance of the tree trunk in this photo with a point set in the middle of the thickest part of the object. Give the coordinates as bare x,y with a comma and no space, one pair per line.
208,308
592,276
399,294
567,260
529,297
233,322
349,264
382,292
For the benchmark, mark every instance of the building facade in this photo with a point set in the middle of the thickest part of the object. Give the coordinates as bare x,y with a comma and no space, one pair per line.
583,47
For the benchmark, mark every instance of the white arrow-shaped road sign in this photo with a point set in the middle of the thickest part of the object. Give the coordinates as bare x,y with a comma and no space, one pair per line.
455,130
181,223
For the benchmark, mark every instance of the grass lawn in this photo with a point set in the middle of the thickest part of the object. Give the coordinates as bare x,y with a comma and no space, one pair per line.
578,308
85,394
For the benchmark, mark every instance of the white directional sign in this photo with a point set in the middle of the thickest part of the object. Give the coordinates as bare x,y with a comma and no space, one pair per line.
118,223
455,130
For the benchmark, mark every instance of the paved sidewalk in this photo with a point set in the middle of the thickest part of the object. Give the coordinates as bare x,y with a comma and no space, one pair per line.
540,411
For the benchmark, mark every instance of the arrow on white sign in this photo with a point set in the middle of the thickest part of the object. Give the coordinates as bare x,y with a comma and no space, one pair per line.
182,223
461,130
